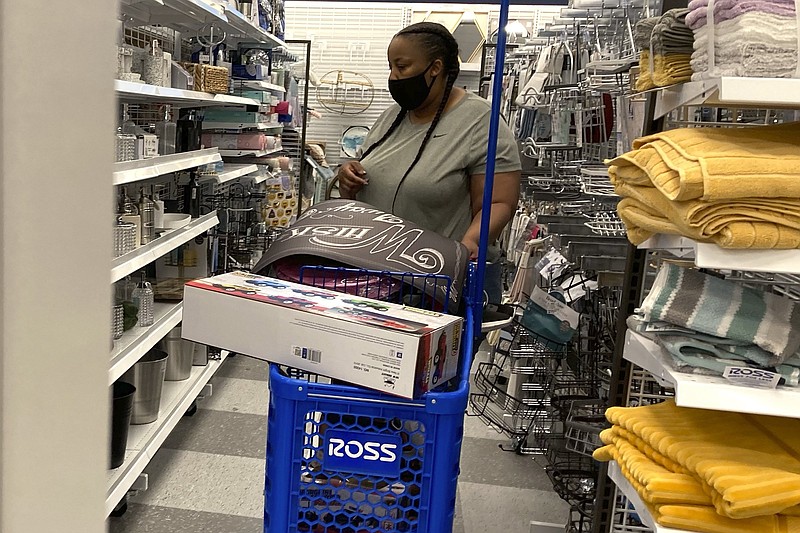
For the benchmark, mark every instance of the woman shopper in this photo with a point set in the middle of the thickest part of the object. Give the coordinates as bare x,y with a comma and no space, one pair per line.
425,157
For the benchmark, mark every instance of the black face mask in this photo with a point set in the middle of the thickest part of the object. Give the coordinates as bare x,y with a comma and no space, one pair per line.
411,92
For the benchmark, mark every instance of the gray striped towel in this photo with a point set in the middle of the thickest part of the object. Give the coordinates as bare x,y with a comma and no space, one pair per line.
714,306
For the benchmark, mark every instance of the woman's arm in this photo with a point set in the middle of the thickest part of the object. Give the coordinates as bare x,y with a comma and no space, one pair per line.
505,195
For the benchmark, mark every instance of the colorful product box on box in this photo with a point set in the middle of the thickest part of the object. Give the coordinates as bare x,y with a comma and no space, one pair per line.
391,348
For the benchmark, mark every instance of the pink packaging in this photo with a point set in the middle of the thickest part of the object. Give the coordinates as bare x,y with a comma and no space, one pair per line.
236,141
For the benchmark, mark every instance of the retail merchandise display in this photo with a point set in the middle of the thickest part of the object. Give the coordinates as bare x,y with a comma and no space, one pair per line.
734,187
388,347
708,471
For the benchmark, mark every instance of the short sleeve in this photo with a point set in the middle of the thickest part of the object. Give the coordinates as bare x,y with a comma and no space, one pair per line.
507,157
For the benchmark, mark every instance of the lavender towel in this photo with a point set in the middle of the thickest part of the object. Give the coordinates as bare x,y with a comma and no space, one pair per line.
730,9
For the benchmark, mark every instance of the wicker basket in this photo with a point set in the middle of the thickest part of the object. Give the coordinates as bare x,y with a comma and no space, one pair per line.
207,78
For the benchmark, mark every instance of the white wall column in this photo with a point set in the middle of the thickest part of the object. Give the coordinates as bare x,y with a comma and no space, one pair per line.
57,62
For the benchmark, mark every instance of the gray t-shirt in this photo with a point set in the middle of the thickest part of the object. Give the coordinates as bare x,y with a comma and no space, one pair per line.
435,194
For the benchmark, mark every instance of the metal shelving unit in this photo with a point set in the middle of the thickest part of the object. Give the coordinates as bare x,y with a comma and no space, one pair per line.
145,440
707,255
259,85
144,255
192,15
260,126
647,357
709,392
188,17
760,93
138,340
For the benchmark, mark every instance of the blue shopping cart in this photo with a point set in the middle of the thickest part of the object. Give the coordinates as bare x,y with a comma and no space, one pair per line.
341,459
345,459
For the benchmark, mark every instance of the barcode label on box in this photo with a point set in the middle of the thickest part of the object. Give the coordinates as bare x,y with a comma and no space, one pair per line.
304,352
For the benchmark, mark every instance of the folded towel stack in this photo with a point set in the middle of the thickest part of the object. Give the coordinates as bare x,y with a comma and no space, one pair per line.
749,38
707,304
709,471
706,324
666,48
738,188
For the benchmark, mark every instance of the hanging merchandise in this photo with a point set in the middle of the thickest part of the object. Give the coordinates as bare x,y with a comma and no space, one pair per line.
345,92
352,139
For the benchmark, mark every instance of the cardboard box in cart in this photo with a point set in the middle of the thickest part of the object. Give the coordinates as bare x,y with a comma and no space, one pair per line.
387,347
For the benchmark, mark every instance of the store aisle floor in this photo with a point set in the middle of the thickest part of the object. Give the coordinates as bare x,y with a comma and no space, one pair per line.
209,475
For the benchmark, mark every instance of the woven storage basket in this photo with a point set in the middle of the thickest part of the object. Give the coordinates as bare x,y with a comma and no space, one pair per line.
207,78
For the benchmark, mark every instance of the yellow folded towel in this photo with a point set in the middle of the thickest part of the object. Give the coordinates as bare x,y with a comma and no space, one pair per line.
748,465
716,164
644,80
654,483
671,69
706,520
764,223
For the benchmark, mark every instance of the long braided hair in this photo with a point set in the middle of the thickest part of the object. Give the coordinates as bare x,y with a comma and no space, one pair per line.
439,44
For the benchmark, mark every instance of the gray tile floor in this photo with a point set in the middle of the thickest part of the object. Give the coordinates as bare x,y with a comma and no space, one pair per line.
209,475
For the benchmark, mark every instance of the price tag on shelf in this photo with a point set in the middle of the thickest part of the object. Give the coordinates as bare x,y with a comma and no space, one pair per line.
751,377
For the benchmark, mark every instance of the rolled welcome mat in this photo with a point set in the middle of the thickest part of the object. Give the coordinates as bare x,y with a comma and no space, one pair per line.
358,235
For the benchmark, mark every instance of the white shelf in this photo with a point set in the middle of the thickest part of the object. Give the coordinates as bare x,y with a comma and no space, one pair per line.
243,30
128,91
641,509
135,342
191,15
260,126
760,93
709,392
144,255
143,169
248,153
231,173
145,440
259,85
261,178
707,255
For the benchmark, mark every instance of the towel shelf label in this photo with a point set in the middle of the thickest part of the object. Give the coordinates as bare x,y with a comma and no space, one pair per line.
751,377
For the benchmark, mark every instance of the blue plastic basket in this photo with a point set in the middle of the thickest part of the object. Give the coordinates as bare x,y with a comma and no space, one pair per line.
343,459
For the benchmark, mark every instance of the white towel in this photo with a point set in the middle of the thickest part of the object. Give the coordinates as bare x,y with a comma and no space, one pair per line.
751,45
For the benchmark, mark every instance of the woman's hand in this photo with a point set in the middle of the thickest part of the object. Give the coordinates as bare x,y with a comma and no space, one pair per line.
352,178
472,246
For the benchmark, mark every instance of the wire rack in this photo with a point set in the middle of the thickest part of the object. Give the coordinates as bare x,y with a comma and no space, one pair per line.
243,235
605,223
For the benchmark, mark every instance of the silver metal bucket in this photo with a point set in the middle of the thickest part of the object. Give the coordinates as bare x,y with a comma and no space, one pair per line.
148,377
